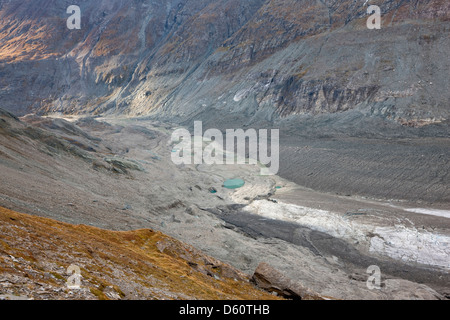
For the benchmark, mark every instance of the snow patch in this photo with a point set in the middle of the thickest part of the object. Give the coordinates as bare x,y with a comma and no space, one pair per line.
432,212
242,94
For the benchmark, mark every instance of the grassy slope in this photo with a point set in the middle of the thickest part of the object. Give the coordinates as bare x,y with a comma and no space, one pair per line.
143,264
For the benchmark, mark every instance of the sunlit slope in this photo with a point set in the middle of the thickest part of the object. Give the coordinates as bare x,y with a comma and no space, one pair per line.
36,252
220,59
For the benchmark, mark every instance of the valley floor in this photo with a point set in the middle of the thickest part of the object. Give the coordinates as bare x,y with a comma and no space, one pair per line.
123,179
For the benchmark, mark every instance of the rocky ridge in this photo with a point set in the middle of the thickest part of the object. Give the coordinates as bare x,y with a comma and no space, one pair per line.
35,254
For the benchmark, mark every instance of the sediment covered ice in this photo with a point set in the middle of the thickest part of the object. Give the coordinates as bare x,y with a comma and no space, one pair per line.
412,245
316,219
407,244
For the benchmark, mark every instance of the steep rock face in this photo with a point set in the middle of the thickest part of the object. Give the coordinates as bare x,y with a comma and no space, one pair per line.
264,59
117,46
331,67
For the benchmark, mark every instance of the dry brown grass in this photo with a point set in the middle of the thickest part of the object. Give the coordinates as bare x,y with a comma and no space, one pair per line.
142,260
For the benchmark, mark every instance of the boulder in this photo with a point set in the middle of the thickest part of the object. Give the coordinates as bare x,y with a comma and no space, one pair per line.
271,280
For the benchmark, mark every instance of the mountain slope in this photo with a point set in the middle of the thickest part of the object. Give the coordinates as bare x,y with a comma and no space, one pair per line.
35,254
269,59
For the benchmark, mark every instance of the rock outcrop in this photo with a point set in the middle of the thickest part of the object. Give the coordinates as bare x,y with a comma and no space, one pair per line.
271,280
35,254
